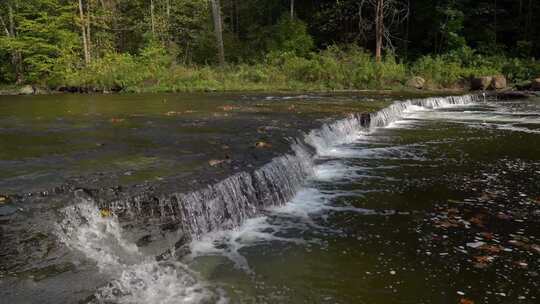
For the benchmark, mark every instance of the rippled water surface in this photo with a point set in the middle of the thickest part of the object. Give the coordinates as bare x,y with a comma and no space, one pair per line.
442,205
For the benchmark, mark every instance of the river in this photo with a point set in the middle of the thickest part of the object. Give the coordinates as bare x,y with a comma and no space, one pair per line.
426,201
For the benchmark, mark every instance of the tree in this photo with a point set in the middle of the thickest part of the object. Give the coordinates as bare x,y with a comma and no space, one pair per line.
218,29
84,34
387,15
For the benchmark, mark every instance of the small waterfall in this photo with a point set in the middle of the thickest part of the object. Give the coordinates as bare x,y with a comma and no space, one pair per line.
396,111
138,279
231,202
225,205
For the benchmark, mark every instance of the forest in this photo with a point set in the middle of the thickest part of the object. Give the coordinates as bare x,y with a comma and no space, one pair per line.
194,45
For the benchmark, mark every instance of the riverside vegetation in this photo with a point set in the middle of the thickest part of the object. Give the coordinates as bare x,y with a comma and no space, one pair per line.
195,45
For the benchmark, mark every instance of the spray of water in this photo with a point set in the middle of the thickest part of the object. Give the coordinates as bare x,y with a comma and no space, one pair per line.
137,279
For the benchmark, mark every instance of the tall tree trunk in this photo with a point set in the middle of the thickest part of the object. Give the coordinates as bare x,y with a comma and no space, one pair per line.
407,28
379,29
529,21
292,9
88,28
6,30
236,18
152,21
168,27
218,29
495,20
83,31
16,56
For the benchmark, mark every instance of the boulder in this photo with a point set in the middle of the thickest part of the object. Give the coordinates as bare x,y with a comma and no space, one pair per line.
416,82
481,83
498,82
27,90
535,84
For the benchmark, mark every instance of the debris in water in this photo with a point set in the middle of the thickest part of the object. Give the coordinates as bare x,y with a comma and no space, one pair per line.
263,145
105,212
215,162
117,120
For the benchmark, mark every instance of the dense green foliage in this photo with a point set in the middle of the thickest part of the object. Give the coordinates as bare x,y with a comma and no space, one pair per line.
169,45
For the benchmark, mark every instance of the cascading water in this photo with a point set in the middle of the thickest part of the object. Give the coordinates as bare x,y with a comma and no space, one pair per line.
136,278
222,206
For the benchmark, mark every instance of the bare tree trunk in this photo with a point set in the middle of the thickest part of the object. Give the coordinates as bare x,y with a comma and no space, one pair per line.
529,21
153,24
236,18
218,29
495,20
6,30
292,9
16,56
88,28
407,28
379,29
83,31
168,13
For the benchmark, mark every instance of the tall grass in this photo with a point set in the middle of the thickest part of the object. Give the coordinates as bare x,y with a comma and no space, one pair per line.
336,68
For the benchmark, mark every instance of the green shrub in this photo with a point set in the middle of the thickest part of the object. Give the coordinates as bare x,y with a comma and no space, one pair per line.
291,35
518,70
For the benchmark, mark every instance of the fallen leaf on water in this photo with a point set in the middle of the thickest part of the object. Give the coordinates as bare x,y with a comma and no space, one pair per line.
227,108
491,248
105,212
262,145
466,301
484,259
215,162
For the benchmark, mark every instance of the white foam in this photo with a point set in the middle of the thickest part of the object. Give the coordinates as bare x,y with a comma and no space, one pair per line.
510,127
228,243
137,279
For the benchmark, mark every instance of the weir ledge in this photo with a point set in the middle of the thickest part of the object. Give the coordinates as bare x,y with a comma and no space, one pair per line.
150,215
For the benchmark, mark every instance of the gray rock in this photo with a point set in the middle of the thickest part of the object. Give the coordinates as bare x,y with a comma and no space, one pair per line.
498,82
416,82
481,83
27,90
535,84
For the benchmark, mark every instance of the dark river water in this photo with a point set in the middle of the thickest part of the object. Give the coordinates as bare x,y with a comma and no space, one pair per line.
440,205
